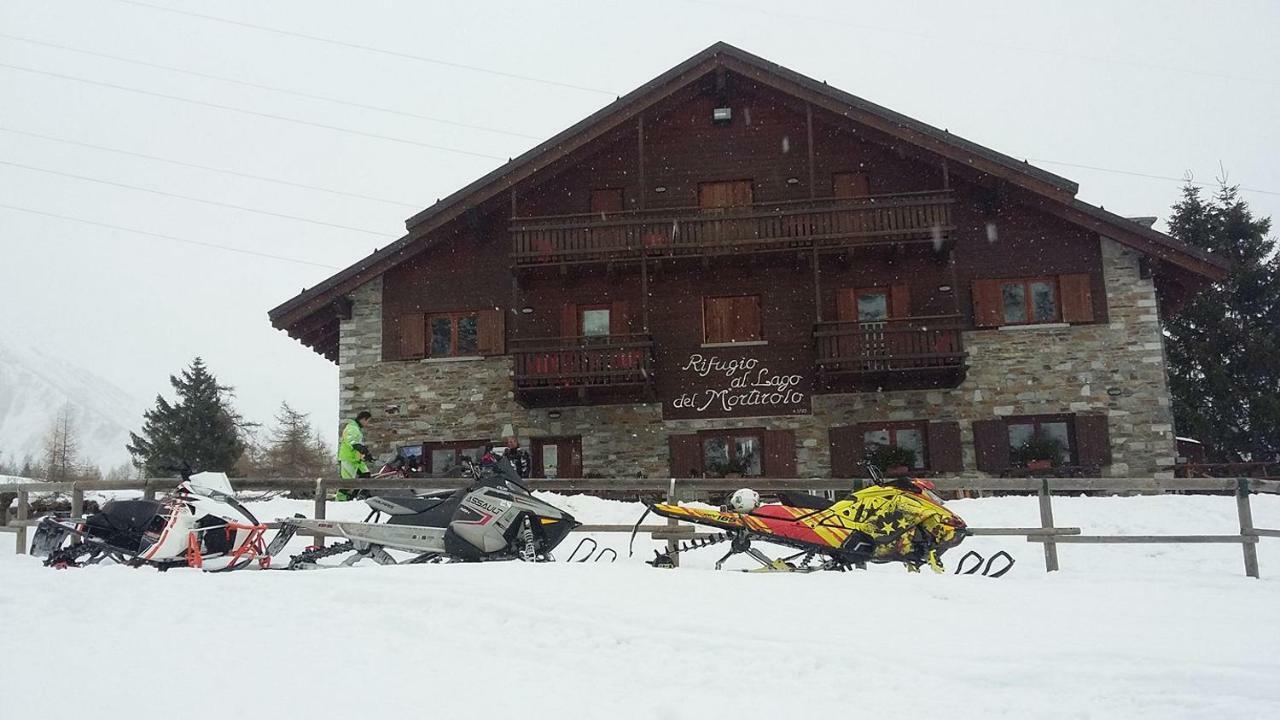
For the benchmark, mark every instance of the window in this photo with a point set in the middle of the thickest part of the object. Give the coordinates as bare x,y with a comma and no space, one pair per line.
731,319
444,459
732,453
1029,301
908,436
873,305
594,320
1041,437
452,334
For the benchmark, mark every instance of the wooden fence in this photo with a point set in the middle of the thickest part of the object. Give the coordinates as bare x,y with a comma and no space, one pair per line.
1047,533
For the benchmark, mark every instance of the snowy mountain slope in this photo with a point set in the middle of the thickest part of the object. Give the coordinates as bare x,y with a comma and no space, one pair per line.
34,387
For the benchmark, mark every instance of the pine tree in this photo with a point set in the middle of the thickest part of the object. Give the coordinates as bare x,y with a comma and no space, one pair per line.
201,429
295,449
1224,346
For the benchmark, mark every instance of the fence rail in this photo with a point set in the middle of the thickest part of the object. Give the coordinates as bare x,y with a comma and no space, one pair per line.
677,489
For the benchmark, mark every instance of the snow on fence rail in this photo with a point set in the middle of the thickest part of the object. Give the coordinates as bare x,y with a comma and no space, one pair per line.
676,489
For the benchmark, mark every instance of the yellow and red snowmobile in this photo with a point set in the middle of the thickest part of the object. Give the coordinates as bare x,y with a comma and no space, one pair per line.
896,520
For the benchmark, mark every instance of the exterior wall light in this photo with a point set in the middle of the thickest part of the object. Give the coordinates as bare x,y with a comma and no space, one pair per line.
554,414
526,310
721,115
660,189
793,181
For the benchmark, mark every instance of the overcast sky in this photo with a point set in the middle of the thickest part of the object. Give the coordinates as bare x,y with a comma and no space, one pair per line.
1154,88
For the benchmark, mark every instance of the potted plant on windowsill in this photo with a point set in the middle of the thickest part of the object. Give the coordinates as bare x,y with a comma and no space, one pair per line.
1039,453
893,460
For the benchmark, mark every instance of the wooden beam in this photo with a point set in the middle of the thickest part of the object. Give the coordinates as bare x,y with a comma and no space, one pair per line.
808,126
644,189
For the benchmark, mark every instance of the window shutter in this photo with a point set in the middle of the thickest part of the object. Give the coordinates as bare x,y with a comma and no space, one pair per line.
686,456
943,447
846,305
619,320
900,301
569,321
715,319
988,310
849,185
491,332
413,336
779,454
1093,441
991,445
1077,298
746,318
846,451
606,200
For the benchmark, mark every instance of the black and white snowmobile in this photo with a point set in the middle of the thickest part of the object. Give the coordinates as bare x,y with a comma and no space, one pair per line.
495,518
199,525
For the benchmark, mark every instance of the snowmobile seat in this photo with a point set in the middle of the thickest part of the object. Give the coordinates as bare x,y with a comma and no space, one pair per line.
804,500
428,511
121,523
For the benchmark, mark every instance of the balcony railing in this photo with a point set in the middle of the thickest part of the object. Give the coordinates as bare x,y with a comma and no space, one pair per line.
763,227
556,369
913,349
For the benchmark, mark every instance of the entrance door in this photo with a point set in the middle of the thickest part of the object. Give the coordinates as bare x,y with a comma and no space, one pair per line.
869,308
557,457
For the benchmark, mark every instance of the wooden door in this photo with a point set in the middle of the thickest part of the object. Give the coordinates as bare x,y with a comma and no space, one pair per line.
559,457
718,198
605,204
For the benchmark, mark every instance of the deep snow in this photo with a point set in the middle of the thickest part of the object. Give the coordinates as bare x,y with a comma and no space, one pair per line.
1122,632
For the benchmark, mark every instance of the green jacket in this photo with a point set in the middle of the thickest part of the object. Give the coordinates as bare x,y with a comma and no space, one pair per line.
352,435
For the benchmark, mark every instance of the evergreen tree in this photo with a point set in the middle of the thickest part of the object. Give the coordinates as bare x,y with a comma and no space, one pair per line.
201,428
295,449
1224,346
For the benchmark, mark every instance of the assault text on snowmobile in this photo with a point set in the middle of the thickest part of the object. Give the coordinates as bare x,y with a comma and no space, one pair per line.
893,520
199,525
495,518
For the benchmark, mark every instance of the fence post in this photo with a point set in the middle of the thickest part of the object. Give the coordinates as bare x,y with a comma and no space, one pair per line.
149,489
1046,521
77,501
672,544
318,540
1246,528
24,511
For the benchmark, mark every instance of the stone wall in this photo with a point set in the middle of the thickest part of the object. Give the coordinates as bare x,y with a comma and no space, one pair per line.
1115,368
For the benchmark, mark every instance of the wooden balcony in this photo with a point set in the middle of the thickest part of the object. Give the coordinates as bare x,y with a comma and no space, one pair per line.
906,354
582,370
828,224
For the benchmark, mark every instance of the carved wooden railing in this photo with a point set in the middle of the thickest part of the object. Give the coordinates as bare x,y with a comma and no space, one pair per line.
919,343
582,362
763,227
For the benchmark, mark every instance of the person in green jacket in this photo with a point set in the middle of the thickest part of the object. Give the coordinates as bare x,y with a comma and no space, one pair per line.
352,454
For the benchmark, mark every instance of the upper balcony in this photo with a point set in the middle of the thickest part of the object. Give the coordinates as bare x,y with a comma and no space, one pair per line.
905,354
825,224
583,370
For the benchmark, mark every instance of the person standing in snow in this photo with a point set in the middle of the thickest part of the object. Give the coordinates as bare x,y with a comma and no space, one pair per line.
520,459
353,454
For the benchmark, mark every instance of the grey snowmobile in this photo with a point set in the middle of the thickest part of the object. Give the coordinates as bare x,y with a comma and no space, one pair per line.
495,518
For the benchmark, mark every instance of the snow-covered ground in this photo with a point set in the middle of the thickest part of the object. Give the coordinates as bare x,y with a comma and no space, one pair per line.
1172,631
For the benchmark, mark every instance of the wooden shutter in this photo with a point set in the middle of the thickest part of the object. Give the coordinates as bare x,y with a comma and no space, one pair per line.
1077,297
716,325
491,332
846,305
746,318
943,447
991,445
606,200
900,301
846,451
569,322
779,454
1093,440
619,319
735,193
686,455
988,309
850,185
413,336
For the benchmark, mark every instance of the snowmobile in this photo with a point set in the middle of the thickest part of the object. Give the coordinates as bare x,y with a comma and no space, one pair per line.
895,520
495,518
199,525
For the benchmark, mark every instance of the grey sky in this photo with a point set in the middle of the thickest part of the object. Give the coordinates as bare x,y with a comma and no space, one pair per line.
1158,88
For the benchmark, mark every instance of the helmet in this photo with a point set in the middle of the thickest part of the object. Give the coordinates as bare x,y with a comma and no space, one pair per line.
744,500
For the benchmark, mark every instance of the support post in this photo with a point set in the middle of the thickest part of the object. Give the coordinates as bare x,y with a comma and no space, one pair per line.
644,190
1246,528
77,502
808,129
148,489
24,511
817,287
318,540
1046,521
672,543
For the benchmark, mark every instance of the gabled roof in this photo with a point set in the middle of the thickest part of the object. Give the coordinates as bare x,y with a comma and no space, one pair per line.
1059,190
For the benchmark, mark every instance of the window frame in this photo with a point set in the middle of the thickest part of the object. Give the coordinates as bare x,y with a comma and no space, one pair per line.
730,436
457,446
582,319
1072,457
893,426
759,331
454,317
888,302
1028,301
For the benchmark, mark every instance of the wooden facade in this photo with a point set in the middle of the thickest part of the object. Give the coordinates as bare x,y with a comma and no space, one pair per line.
735,269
